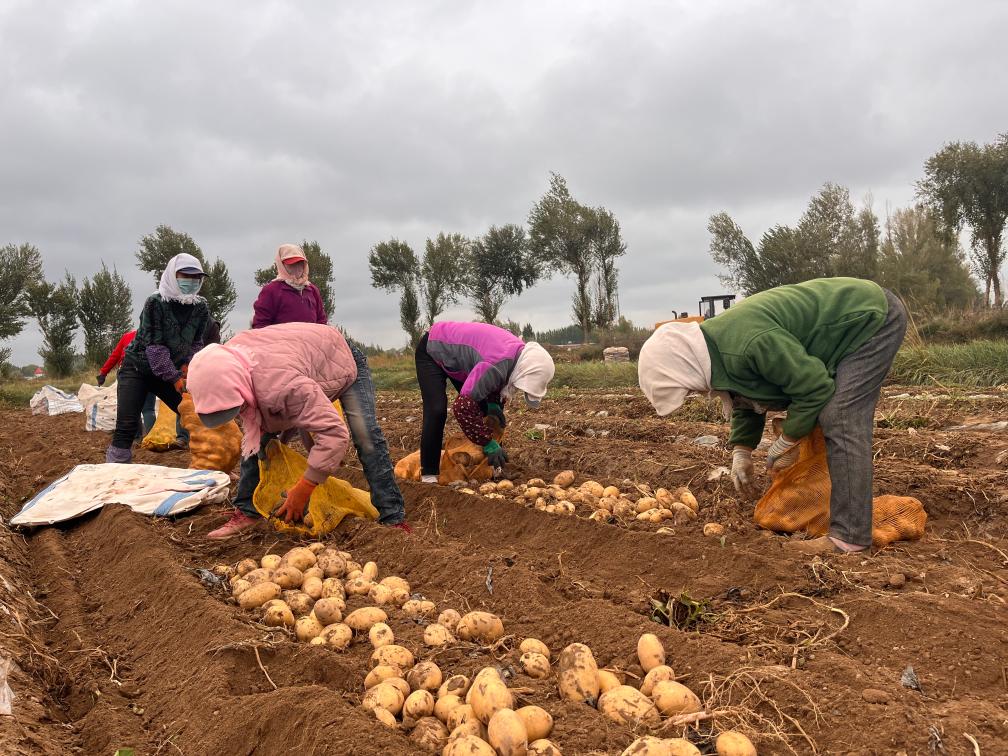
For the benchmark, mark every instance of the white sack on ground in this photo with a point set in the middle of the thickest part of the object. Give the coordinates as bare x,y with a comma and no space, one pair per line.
100,406
49,400
147,489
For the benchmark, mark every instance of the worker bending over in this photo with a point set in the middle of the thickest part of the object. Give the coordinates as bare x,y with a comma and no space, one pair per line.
819,349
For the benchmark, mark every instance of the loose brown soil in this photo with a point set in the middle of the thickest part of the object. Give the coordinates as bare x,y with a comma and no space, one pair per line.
118,644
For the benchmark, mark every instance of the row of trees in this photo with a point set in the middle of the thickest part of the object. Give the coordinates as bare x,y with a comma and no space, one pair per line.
916,252
564,236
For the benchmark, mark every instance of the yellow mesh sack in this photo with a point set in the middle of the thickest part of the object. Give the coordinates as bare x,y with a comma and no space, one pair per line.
162,436
330,502
799,499
210,448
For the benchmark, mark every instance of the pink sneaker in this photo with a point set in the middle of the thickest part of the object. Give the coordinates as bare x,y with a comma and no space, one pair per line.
403,526
239,522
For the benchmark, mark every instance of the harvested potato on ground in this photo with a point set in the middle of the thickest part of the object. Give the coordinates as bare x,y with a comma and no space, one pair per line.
329,610
380,635
469,745
592,487
578,674
278,615
333,588
489,695
506,733
487,488
713,530
459,714
534,645
258,595
472,727
674,698
380,594
607,680
270,561
381,673
362,620
480,627
385,716
358,586
681,747
245,566
665,497
288,577
259,575
731,743
644,503
393,655
306,628
456,685
538,722
628,705
401,685
537,482
239,586
316,548
654,676
331,564
385,695
418,608
505,485
314,572
299,557
337,636
535,665
437,635
299,602
681,514
650,651
649,746
312,586
430,734
419,704
395,583
612,491
686,497
445,705
564,479
425,675
542,748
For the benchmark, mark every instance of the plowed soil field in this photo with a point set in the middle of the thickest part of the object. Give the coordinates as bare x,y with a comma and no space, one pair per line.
116,643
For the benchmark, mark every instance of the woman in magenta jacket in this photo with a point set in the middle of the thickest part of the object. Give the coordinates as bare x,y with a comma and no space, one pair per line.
290,297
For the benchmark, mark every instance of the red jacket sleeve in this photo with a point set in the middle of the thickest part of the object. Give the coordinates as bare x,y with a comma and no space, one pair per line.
117,354
264,308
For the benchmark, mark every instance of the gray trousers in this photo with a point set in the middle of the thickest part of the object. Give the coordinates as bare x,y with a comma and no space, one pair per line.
848,423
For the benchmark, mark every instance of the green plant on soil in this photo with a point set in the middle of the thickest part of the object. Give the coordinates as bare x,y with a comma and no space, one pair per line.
682,611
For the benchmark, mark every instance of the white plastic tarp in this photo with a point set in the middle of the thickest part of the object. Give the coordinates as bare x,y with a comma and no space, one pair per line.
49,400
147,489
100,405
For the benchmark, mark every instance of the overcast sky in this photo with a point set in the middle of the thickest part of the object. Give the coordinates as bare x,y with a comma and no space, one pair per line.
250,124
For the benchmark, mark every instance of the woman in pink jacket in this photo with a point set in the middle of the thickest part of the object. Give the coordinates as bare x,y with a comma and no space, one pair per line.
287,377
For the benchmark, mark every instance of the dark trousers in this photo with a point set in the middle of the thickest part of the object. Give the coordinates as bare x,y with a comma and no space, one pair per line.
132,388
848,423
148,416
432,379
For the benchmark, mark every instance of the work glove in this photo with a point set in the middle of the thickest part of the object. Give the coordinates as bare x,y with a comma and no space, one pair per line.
495,454
180,385
743,474
293,507
100,380
783,453
497,412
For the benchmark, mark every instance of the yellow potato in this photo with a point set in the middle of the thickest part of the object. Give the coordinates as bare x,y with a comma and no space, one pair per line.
480,627
329,610
542,748
429,734
396,656
401,685
380,594
445,705
436,635
419,704
333,588
505,485
380,635
665,498
258,595
471,727
418,608
506,733
336,635
468,745
564,479
644,503
534,645
385,695
681,747
425,675
331,564
713,530
612,491
487,696
538,722
245,566
649,746
370,571
487,488
306,628
731,743
395,583
239,586
316,548
686,497
288,577
459,713
449,618
259,575
299,602
358,586
399,597
312,586
381,673
362,620
535,665
456,685
299,557
578,674
592,487
627,705
654,676
650,652
314,572
270,561
384,716
278,615
674,698
607,680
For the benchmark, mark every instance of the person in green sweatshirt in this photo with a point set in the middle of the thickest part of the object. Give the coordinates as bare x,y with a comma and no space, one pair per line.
819,349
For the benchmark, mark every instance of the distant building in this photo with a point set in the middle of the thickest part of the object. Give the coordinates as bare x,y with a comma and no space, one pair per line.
39,373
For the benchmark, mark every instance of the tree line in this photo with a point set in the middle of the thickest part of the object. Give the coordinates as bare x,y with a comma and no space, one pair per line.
915,252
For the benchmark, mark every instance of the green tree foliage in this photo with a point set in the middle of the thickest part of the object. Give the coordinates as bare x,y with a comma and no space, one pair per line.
923,264
606,245
20,269
967,186
105,312
55,308
394,267
498,266
218,289
527,333
320,270
442,273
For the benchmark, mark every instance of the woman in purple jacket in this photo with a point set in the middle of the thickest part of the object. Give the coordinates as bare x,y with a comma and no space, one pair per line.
290,297
486,365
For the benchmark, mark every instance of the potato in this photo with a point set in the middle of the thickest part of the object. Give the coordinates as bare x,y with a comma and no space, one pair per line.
542,748
537,721
314,572
471,727
506,733
480,627
386,696
306,628
489,695
430,734
380,635
361,620
336,635
258,595
418,608
380,594
449,618
532,493
270,561
384,716
649,746
426,675
395,583
299,602
565,478
288,577
396,656
399,597
607,680
686,497
437,635
331,564
333,588
359,586
731,743
535,665
278,615
650,652
487,488
534,645
259,575
654,676
468,745
539,482
627,705
674,698
316,548
329,610
713,530
456,685
592,487
505,485
459,714
381,673
299,557
419,704
245,566
624,509
312,586
352,566
239,587
645,503
578,674
370,571
445,705
401,685
681,747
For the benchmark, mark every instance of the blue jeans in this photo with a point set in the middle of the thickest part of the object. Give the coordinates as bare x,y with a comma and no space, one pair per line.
359,408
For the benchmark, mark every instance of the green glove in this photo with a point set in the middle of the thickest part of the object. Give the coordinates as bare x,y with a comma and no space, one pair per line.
495,454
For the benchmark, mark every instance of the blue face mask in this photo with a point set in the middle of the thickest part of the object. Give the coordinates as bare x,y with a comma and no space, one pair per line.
189,285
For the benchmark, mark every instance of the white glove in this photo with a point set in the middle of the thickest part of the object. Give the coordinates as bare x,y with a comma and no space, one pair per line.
783,453
742,471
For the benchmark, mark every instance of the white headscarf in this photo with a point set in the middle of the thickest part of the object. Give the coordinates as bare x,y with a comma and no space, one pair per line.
532,372
673,363
285,252
169,288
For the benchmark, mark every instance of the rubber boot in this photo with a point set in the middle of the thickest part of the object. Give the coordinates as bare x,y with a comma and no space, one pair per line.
119,456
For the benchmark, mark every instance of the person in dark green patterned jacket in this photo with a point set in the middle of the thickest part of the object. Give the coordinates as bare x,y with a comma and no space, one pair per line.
819,349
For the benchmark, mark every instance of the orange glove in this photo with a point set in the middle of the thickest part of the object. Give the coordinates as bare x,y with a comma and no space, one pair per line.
180,385
292,510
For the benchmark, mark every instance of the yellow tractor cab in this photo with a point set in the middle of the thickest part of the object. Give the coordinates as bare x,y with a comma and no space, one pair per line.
707,307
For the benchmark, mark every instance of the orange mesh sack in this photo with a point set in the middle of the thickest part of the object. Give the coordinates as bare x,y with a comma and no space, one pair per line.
799,499
461,459
210,448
